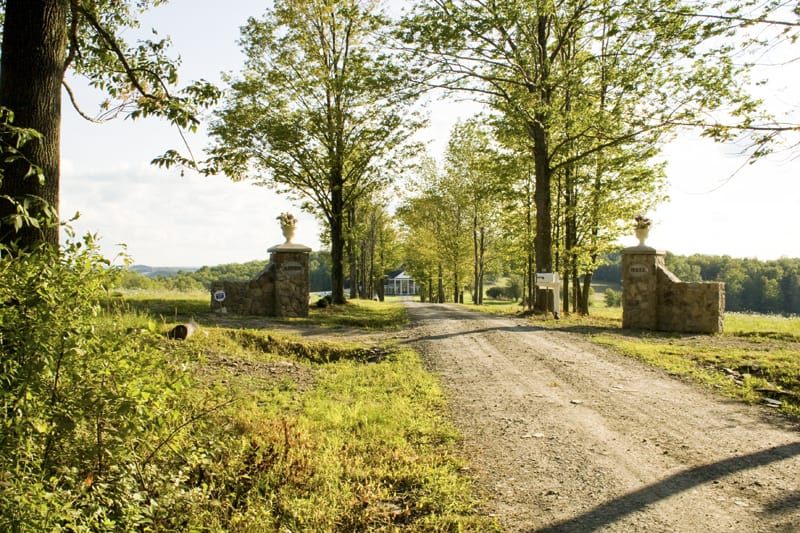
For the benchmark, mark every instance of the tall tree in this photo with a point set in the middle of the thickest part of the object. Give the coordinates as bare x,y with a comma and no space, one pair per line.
42,39
375,249
521,57
477,183
436,229
319,112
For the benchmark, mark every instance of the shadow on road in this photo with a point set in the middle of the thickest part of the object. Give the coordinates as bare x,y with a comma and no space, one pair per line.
610,512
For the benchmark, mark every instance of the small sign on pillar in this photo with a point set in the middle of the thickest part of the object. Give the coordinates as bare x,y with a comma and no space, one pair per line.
551,281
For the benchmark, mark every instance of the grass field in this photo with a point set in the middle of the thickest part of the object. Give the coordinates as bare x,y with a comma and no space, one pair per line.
314,436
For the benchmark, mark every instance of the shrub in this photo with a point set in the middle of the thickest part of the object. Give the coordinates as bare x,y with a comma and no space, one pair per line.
613,298
86,407
325,301
503,293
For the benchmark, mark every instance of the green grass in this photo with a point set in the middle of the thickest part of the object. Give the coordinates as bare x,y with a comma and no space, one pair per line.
318,435
762,327
357,438
365,314
175,307
165,304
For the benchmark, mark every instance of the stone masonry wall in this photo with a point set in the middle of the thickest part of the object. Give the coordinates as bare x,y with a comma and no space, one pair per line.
281,289
654,298
252,297
291,283
640,288
689,307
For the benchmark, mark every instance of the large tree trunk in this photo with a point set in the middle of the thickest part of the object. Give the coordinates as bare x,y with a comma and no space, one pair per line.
440,290
543,239
529,237
31,73
337,237
583,304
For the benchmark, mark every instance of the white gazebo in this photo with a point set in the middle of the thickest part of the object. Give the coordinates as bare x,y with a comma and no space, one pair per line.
400,283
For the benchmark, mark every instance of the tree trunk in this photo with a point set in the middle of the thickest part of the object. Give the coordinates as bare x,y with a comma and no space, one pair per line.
576,290
31,72
531,278
583,304
543,239
529,239
441,297
481,264
337,237
369,272
475,273
352,255
456,283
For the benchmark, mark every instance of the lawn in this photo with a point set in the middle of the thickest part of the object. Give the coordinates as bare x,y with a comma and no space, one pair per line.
300,435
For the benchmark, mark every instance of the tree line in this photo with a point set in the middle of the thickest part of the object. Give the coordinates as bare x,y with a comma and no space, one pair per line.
751,285
319,267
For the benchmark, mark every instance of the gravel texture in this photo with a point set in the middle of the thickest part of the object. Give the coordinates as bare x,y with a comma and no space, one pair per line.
564,435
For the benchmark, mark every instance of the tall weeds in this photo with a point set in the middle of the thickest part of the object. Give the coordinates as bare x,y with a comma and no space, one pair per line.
83,406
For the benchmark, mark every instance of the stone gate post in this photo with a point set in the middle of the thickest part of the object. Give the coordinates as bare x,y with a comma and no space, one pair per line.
640,287
291,279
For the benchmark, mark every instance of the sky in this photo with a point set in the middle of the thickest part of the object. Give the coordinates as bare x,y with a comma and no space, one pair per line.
166,219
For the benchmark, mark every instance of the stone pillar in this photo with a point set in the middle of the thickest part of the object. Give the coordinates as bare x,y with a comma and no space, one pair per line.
291,279
640,287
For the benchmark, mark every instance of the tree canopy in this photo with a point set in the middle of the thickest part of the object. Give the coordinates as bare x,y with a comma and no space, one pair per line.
581,81
320,111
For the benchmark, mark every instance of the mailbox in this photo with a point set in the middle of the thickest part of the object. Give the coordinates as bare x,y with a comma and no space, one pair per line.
551,281
548,279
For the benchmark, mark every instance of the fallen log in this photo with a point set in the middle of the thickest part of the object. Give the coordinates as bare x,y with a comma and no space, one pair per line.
182,331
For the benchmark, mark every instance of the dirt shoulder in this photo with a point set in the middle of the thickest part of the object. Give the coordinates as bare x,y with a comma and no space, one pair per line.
567,436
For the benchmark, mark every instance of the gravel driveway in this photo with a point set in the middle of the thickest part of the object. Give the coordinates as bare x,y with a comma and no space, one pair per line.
568,436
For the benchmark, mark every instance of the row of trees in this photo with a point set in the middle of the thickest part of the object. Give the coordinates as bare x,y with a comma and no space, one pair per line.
581,95
203,278
477,214
750,284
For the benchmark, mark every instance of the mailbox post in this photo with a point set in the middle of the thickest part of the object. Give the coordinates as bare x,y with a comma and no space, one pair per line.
551,281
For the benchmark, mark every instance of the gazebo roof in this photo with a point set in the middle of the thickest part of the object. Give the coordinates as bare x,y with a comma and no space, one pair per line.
398,274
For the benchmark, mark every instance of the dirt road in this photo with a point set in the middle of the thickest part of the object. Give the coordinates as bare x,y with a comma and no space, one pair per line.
567,436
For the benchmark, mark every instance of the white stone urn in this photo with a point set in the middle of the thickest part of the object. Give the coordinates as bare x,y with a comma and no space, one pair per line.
288,232
287,222
642,234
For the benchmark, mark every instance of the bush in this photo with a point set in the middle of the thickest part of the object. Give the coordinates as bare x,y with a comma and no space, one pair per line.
325,301
503,293
613,298
87,407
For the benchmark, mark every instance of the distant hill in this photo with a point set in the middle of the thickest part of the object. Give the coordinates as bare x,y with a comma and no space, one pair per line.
167,272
